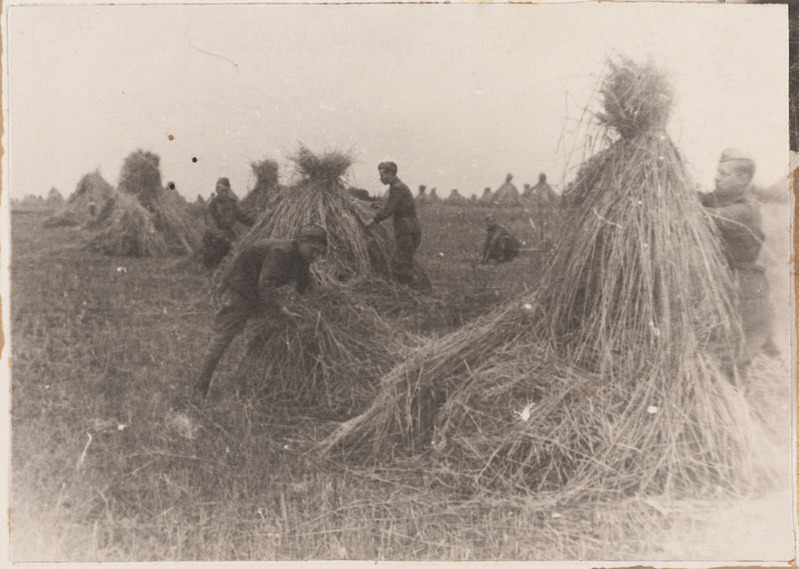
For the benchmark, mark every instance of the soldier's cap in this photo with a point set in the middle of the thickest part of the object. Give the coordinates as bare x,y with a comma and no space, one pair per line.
490,218
313,233
734,154
389,167
222,183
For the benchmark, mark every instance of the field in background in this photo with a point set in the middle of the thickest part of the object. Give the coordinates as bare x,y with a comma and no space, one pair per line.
106,468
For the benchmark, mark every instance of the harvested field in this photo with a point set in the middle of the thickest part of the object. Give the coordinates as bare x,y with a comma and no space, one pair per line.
107,468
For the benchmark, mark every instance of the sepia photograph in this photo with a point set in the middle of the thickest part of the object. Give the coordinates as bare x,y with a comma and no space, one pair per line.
398,282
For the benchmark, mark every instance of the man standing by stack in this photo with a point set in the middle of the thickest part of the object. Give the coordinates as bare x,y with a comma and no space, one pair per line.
736,212
401,205
221,231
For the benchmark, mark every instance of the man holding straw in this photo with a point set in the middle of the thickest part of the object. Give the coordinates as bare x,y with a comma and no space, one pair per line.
736,212
402,207
252,287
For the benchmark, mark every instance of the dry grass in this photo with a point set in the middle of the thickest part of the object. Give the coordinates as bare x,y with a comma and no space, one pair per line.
129,231
144,219
96,347
265,188
141,177
91,189
609,380
320,197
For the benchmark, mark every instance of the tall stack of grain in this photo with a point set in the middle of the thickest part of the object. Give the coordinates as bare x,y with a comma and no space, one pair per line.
617,375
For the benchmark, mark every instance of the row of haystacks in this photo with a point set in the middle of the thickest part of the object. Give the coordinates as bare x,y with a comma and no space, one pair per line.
349,335
613,377
141,218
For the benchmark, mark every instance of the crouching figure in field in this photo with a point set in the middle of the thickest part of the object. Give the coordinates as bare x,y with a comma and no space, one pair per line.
500,244
251,288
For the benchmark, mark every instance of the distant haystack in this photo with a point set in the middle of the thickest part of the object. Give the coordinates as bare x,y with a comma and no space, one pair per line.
507,194
161,224
422,196
455,197
54,198
141,177
434,197
487,197
129,231
88,205
542,192
265,188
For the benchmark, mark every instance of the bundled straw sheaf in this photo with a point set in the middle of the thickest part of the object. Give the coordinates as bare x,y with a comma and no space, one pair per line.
143,219
320,197
141,177
328,359
617,375
92,194
265,188
129,231
635,98
346,339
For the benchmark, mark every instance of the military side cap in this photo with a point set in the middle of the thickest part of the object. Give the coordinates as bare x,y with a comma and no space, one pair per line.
732,154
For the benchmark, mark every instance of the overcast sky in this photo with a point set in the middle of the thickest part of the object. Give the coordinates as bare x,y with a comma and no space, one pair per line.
457,95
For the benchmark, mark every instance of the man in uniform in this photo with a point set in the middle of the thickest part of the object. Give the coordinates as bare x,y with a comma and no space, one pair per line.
736,212
402,207
221,232
500,244
251,288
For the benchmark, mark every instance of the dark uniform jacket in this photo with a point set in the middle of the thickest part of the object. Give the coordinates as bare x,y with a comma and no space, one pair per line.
266,265
402,206
225,212
740,223
739,220
497,233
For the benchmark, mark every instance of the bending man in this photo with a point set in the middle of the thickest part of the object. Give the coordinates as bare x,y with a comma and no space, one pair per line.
251,288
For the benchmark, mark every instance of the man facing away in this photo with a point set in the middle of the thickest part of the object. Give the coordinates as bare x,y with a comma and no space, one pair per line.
402,207
500,244
736,212
251,288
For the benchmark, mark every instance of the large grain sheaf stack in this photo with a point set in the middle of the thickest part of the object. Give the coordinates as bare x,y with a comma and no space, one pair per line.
88,205
331,356
265,188
615,376
320,197
144,220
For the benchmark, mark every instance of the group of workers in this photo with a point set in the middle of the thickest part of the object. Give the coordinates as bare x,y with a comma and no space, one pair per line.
264,266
